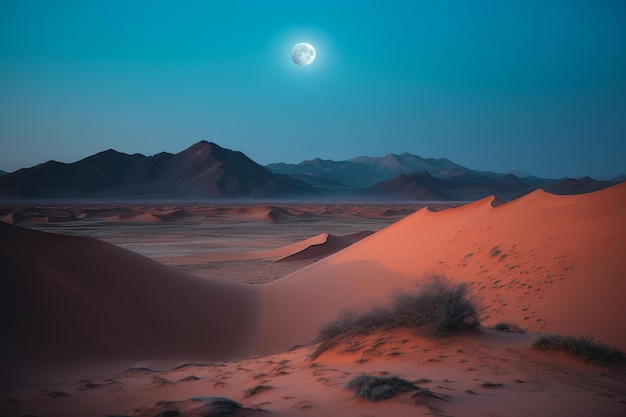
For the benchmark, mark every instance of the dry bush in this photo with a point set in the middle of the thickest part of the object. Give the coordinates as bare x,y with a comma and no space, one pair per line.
254,390
438,308
510,327
376,388
584,348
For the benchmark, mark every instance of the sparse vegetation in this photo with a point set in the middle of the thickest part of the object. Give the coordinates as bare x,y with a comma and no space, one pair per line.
584,348
438,308
491,385
376,388
509,327
254,390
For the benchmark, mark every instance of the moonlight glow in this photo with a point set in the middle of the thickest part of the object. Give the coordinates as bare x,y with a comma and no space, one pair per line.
303,53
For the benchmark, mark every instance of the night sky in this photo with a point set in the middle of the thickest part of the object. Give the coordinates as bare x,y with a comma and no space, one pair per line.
535,86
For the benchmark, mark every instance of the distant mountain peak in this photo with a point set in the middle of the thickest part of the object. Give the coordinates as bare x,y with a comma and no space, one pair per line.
201,146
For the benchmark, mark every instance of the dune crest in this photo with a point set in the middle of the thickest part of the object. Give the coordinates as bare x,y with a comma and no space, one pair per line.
322,245
549,263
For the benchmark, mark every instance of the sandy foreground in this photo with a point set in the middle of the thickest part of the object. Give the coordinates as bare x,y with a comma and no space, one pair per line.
95,329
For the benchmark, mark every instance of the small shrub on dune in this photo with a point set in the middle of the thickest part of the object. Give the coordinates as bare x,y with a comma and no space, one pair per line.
376,388
509,327
584,348
438,308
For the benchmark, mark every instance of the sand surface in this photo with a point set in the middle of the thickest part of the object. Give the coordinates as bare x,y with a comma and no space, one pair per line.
233,242
491,373
79,311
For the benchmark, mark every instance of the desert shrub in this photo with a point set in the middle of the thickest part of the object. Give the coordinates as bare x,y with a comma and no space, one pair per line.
437,308
254,390
584,348
376,388
509,327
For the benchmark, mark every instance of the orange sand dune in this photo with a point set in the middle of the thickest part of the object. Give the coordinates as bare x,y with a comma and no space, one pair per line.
321,246
149,216
264,213
314,247
549,263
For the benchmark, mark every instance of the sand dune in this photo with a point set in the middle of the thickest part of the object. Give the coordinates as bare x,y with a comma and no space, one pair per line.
549,263
322,245
315,247
77,299
269,214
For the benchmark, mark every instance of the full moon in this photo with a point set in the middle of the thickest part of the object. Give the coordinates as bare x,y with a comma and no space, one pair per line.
303,53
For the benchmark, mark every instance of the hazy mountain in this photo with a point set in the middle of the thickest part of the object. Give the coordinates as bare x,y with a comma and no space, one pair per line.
364,171
203,170
471,186
619,178
576,186
391,165
418,185
2,173
344,172
409,176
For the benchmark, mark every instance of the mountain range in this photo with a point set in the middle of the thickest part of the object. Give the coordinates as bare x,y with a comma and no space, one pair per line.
408,176
203,170
206,170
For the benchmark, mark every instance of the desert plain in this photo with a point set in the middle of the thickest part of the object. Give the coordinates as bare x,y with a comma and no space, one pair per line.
167,309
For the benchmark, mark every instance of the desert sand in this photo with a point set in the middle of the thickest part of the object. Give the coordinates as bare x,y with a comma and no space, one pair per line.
97,329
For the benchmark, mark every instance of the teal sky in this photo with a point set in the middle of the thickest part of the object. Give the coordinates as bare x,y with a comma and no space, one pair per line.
537,86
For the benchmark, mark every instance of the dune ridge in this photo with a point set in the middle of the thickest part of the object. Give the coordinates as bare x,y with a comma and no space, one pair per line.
547,263
550,263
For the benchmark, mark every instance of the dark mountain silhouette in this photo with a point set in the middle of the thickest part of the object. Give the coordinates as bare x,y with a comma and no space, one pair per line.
321,183
3,173
576,186
203,170
206,170
418,185
472,186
